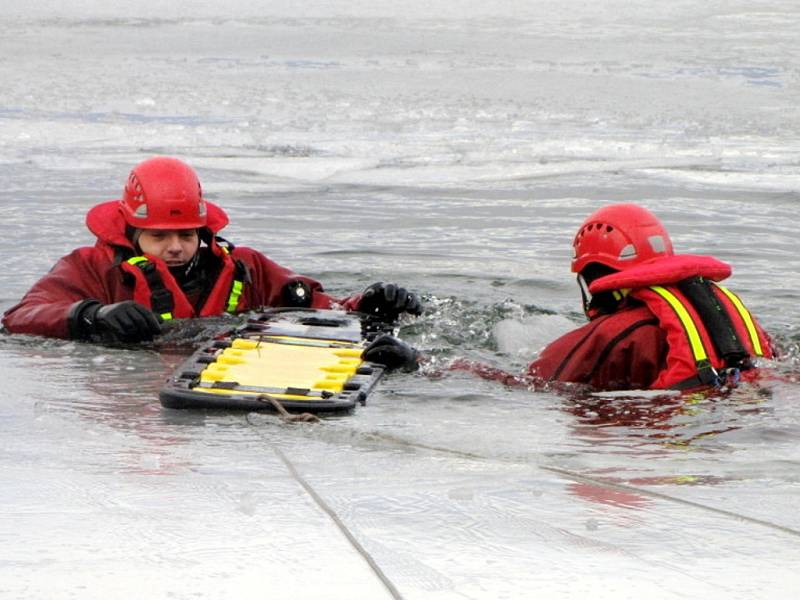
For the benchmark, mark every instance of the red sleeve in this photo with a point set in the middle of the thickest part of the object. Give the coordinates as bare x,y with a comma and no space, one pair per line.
268,279
626,350
85,273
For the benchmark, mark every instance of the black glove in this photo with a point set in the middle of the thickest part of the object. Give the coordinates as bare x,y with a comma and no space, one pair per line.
126,321
387,300
387,350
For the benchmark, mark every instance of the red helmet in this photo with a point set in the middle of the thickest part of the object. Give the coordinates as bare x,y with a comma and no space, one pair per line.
620,236
163,193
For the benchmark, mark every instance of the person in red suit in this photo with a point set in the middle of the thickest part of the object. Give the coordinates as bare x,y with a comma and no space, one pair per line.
158,256
657,320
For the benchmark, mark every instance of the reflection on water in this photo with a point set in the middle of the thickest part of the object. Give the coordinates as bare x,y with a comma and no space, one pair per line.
686,420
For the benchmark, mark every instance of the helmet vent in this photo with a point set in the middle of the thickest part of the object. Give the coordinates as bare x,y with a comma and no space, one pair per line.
134,189
141,211
598,226
627,252
657,243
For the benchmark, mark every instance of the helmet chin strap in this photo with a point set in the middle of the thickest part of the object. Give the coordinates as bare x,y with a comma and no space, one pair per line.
184,271
132,233
602,303
586,295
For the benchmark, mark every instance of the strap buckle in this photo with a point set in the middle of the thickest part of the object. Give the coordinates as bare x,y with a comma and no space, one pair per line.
729,377
706,373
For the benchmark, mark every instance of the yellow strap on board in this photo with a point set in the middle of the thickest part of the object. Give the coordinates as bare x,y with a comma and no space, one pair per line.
746,317
264,363
695,341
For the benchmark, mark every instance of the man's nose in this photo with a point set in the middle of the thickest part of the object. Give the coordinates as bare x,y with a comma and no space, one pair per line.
174,244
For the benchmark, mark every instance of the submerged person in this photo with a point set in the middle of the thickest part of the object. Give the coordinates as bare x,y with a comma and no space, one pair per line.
158,256
657,320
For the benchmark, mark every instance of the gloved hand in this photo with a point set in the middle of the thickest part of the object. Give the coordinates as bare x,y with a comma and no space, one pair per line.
387,301
127,321
387,350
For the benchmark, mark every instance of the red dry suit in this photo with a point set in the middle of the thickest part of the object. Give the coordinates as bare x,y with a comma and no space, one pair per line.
677,329
110,272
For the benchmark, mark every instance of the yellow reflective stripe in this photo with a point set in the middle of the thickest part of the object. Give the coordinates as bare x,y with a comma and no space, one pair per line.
698,350
137,260
621,293
233,299
748,320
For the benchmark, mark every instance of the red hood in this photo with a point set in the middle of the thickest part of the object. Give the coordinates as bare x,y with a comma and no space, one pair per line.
663,271
106,222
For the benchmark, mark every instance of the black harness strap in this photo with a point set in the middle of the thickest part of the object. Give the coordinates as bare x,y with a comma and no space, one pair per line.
717,321
161,300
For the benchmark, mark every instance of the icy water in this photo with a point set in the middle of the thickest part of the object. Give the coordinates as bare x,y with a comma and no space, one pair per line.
454,150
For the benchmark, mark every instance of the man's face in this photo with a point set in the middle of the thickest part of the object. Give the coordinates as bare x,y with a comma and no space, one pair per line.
174,246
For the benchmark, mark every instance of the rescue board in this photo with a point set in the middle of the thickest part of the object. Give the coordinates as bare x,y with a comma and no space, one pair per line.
305,359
